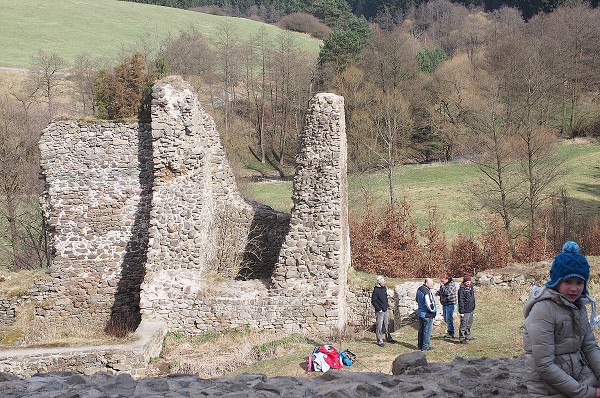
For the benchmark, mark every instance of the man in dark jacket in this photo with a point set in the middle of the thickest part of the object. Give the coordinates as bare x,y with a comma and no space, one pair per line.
466,306
447,295
379,299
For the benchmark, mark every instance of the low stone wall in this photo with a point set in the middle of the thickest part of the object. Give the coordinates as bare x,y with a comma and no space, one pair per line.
402,306
126,358
7,310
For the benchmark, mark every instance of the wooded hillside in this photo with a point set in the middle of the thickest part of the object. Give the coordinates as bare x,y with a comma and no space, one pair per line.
441,83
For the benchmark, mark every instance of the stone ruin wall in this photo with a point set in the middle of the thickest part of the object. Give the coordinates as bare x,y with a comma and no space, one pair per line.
140,214
98,183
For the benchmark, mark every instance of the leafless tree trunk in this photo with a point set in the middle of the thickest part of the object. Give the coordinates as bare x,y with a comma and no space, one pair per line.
19,187
229,66
45,75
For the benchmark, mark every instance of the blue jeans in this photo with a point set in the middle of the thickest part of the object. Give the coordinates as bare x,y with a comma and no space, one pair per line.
448,317
425,329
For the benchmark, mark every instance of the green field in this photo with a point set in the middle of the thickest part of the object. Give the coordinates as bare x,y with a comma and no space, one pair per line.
105,28
448,187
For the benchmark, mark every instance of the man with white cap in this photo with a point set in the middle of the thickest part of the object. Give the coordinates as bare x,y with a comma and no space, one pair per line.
379,299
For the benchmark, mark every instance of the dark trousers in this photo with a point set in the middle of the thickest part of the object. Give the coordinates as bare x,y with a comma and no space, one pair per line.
465,326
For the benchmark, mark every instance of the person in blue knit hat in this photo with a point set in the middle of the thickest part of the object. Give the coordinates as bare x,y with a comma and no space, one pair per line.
562,355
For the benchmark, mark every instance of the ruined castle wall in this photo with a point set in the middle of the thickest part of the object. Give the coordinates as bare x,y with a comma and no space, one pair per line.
315,257
147,222
98,177
308,288
202,231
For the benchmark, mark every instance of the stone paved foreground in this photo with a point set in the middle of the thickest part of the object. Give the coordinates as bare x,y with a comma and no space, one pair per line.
484,377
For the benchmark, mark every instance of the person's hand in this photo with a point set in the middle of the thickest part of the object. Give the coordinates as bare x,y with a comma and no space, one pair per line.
462,315
597,392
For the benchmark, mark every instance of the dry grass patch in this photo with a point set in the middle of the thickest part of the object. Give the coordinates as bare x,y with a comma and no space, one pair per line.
16,284
45,334
216,354
29,332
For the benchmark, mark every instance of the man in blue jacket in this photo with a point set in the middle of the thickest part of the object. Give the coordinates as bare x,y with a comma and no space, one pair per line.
426,312
379,299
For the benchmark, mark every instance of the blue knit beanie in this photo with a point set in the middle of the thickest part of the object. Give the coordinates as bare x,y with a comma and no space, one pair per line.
569,263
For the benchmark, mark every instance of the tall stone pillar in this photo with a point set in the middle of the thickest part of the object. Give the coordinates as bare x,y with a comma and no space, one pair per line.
316,254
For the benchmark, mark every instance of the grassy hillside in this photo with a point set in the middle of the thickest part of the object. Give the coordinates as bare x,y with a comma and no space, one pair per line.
449,188
104,28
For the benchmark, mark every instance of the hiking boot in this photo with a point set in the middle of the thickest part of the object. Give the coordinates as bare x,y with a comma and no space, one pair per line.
380,343
391,340
463,342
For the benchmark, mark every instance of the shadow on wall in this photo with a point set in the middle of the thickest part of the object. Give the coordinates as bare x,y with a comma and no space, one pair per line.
263,243
125,313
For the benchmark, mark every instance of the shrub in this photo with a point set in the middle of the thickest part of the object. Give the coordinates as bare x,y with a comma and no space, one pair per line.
125,90
305,23
386,243
435,251
531,248
429,60
465,256
590,237
211,9
495,246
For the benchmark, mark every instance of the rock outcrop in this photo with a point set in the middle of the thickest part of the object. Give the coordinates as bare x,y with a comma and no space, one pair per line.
482,377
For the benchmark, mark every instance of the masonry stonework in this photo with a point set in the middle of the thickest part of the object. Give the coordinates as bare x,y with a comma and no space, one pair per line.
147,223
98,180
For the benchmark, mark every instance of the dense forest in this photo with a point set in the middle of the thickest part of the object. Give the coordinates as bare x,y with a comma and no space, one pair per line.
436,82
273,10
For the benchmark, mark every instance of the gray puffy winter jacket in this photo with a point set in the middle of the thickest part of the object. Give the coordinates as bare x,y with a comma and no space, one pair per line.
563,358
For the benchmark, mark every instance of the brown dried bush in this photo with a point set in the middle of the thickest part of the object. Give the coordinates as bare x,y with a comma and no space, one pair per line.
305,23
495,246
590,236
386,243
466,256
435,250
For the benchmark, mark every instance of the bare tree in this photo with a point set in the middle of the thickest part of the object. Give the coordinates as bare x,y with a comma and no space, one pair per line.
572,35
290,75
257,53
494,150
190,54
527,90
474,32
393,74
444,21
229,68
83,74
46,76
20,219
450,88
353,85
391,116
